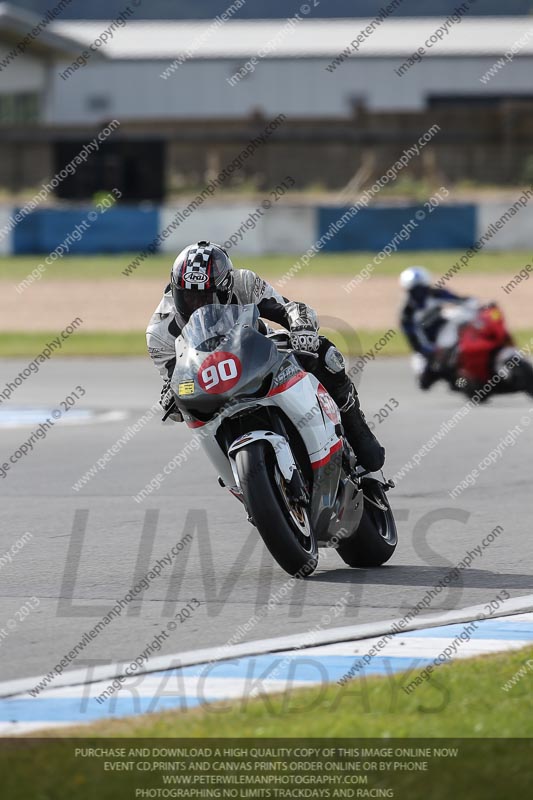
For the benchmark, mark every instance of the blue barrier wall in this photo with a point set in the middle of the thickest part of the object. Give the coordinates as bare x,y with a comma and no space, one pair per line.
371,229
118,230
133,229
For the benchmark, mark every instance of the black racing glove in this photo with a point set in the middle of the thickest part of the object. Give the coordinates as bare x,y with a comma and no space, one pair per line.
304,327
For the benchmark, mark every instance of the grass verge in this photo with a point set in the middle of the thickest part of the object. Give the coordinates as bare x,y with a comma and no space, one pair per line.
462,705
133,343
107,267
464,699
98,343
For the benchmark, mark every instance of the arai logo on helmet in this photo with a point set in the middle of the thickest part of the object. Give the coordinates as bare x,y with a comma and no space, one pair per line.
196,277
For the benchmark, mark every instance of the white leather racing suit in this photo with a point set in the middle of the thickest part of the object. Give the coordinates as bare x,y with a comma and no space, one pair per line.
247,288
299,319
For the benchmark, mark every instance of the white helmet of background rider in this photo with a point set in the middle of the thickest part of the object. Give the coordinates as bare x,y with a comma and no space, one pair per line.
413,277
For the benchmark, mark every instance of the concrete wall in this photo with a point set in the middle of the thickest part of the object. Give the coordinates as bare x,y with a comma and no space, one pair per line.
6,240
249,229
517,234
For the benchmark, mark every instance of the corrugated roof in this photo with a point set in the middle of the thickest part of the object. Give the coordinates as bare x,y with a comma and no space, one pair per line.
241,39
16,23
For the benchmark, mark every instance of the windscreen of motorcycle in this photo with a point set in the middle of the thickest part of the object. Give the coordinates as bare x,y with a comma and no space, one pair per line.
222,355
209,324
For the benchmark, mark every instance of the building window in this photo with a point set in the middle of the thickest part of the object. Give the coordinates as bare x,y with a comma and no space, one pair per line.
469,100
19,108
98,102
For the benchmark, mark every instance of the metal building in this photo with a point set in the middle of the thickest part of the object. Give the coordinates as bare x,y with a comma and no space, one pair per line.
186,93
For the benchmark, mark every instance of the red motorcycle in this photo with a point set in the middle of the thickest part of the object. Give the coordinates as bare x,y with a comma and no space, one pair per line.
486,358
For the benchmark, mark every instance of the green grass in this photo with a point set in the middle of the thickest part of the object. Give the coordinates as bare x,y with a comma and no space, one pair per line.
28,345
461,701
133,343
94,268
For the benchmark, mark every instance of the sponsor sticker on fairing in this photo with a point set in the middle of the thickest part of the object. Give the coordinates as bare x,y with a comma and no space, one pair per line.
185,388
328,405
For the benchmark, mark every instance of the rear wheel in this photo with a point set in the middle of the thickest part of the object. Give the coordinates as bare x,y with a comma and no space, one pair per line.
526,377
376,538
282,523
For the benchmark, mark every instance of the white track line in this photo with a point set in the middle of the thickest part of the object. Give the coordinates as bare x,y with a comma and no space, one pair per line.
515,605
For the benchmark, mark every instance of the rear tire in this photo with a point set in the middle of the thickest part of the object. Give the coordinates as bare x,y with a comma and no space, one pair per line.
526,377
269,507
376,538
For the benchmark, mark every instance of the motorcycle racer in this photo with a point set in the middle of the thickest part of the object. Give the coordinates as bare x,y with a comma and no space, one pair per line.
422,319
203,274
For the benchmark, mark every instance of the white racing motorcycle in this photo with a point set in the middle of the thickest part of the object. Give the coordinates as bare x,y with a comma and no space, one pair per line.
274,435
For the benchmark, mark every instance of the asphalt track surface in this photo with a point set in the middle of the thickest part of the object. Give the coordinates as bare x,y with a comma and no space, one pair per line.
225,566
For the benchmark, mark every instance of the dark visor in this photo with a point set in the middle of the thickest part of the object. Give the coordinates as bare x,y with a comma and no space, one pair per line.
188,300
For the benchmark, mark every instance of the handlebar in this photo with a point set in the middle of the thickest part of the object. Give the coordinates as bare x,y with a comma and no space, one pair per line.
172,410
299,353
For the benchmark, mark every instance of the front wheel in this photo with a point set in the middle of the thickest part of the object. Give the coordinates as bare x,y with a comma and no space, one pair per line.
282,523
376,538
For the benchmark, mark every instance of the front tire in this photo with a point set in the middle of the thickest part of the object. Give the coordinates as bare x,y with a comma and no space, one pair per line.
282,524
376,538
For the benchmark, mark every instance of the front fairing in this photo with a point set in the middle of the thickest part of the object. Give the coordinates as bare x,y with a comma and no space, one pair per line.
220,357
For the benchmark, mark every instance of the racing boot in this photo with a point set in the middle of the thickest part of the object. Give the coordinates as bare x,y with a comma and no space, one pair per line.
370,454
428,377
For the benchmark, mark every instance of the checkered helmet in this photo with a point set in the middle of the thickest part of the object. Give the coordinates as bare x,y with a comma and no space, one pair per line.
201,275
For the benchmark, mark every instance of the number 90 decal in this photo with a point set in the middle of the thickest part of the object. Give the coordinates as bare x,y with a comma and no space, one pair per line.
219,373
